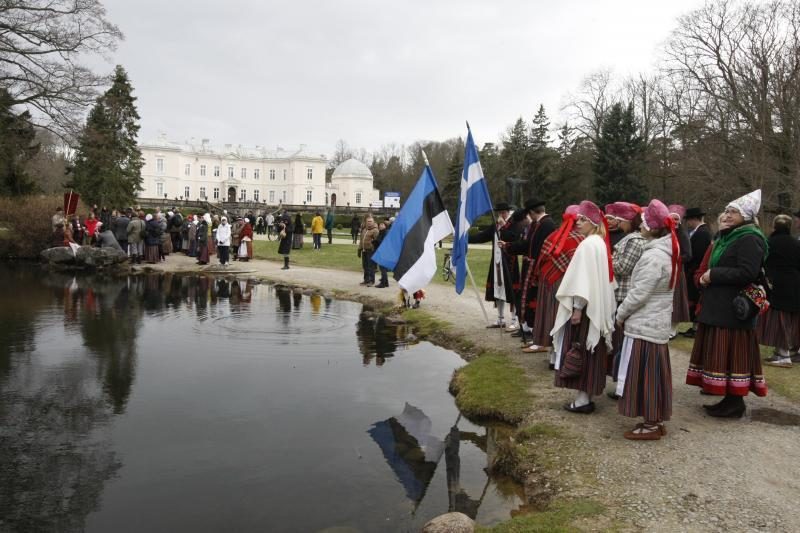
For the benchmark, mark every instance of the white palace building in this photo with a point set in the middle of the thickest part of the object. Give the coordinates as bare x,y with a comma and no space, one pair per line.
200,171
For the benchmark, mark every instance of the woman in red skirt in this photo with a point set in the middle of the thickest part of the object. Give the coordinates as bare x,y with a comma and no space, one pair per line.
644,380
585,317
725,358
554,257
779,327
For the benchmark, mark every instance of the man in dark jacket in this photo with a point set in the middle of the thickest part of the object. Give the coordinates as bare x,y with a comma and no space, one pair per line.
383,229
529,247
120,229
700,240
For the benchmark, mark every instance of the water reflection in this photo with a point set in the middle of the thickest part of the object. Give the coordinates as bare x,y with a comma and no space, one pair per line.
202,370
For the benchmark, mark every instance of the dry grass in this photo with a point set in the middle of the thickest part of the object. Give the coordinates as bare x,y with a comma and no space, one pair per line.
25,225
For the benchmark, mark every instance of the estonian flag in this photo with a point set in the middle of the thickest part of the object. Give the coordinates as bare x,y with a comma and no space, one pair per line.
408,248
473,202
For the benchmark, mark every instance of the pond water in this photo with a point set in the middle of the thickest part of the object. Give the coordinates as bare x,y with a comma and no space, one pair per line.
180,403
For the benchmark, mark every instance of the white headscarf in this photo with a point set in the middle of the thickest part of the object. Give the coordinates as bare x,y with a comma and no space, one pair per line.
148,217
748,205
207,218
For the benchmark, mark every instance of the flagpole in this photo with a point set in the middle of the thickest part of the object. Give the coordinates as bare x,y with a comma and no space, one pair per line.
477,294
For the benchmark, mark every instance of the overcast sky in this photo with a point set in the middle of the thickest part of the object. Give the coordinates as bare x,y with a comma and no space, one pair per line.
274,72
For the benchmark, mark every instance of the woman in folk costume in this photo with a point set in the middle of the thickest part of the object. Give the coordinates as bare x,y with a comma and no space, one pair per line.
779,327
725,358
626,254
192,233
246,247
680,306
203,234
285,230
585,319
554,258
499,279
152,239
644,378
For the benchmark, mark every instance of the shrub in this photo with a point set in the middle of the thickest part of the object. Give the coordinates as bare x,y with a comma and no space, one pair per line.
25,225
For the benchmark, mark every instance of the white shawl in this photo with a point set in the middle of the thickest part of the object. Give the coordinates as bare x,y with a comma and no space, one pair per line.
587,278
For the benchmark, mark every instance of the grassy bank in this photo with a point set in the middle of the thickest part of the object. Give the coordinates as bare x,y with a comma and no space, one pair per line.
344,257
560,517
492,386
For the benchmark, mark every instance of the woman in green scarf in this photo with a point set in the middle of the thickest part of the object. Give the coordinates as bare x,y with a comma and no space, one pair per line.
726,360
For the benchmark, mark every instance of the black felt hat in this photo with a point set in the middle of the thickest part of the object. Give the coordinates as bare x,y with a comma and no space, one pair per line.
533,204
695,212
502,206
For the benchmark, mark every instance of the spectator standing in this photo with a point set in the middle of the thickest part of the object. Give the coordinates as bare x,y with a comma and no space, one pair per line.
329,226
223,241
366,248
299,231
136,236
355,228
120,228
285,229
317,225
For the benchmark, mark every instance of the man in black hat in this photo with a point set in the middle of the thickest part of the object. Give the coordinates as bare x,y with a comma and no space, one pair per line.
500,279
700,239
529,247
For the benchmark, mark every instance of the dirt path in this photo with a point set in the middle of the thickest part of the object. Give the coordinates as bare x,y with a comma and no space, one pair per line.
706,475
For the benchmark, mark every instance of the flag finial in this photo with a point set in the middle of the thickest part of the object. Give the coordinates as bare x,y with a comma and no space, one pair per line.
468,128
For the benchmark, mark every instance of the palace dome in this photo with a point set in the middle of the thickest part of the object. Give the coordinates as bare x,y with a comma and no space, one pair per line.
352,168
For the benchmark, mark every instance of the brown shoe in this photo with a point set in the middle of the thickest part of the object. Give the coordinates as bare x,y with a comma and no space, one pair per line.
644,432
535,348
661,427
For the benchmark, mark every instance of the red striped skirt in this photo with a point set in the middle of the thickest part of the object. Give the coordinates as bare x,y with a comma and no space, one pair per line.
648,385
726,361
545,314
680,300
593,378
779,329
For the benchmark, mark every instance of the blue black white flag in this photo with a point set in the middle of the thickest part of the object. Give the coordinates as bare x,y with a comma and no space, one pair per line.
473,202
408,248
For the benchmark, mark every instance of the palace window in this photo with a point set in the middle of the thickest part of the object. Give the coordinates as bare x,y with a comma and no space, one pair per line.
310,173
202,193
284,174
160,165
243,195
159,189
272,173
187,170
216,193
256,174
186,192
284,196
202,170
271,197
230,172
308,196
358,198
256,195
244,172
216,171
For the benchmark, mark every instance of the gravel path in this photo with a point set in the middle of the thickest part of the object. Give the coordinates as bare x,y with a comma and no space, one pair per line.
705,475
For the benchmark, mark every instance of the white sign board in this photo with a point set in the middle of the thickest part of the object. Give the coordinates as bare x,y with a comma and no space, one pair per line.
391,199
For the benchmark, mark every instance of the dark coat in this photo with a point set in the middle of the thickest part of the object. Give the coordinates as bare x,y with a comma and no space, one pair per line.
285,246
739,266
120,226
152,232
529,248
783,270
508,233
699,241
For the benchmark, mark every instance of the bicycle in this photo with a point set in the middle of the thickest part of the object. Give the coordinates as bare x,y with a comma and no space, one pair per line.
447,269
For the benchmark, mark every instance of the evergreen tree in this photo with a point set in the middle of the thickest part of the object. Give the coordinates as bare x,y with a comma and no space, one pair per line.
542,159
17,148
619,152
108,161
540,130
451,188
515,150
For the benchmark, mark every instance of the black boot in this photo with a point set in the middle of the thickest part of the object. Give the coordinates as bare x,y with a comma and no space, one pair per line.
717,406
285,263
733,407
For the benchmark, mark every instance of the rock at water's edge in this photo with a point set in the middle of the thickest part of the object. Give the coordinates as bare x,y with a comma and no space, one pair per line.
84,257
450,523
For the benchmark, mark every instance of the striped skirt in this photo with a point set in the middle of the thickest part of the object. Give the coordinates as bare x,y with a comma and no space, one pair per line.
613,358
648,385
726,361
779,329
545,313
151,253
593,378
680,300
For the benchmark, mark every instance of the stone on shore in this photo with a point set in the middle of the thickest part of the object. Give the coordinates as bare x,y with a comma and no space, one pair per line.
84,257
450,523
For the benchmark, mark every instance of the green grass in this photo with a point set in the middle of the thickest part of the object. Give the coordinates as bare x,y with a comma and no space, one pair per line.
540,430
558,518
344,257
492,386
784,381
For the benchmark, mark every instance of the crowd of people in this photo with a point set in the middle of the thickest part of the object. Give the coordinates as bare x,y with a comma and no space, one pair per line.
602,294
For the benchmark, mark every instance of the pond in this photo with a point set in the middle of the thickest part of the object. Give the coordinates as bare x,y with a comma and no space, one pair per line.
190,403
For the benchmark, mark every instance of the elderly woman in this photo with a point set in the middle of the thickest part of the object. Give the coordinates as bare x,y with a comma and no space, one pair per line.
585,319
166,238
779,327
203,233
152,239
644,379
285,230
725,358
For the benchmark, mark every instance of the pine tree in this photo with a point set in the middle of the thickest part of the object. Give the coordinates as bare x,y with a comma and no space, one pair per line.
541,160
515,150
619,152
108,161
540,130
17,148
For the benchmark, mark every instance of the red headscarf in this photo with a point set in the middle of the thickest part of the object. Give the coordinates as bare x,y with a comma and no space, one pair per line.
656,216
595,216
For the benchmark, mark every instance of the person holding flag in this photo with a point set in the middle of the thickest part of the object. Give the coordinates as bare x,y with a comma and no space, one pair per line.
408,248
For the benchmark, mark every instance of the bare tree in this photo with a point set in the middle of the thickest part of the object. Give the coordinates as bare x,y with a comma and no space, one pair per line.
587,108
41,45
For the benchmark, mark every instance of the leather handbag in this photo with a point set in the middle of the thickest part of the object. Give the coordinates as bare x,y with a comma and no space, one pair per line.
572,365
